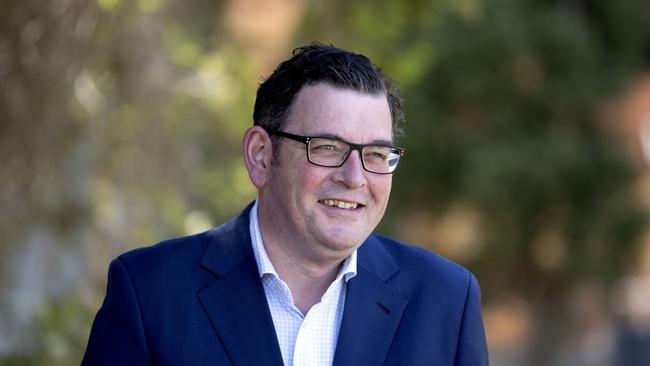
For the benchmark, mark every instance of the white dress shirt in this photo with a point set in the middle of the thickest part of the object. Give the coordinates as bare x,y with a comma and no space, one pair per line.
305,340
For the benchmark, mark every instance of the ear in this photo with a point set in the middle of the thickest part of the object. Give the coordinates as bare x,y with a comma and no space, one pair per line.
258,152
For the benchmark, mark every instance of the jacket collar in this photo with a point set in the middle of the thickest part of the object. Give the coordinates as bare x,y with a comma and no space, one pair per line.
235,302
229,245
373,308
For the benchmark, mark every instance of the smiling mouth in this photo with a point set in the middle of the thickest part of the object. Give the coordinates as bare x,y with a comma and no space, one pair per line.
341,204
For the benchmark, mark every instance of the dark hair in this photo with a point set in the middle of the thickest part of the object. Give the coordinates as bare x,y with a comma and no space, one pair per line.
318,63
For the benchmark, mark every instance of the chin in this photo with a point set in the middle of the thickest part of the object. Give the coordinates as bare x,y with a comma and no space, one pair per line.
345,243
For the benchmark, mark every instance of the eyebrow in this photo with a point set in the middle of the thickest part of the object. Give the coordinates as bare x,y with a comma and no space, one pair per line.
381,142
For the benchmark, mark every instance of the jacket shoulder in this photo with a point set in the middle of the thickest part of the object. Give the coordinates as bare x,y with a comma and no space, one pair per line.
167,253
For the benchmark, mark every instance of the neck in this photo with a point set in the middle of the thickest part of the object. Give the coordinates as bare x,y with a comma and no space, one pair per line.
308,277
307,283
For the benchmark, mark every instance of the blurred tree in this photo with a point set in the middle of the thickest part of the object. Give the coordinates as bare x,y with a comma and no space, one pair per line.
42,49
121,126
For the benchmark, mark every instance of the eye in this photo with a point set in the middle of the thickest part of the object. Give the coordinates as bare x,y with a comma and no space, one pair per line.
376,154
327,148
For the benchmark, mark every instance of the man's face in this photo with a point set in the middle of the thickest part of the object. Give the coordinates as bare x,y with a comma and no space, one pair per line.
303,198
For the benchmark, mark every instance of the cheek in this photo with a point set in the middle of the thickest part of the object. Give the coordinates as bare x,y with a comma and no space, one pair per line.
310,179
381,188
298,194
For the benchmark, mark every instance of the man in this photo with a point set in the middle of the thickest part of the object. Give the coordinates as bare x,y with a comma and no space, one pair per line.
298,278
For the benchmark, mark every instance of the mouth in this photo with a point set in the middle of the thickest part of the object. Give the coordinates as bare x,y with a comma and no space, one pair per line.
346,205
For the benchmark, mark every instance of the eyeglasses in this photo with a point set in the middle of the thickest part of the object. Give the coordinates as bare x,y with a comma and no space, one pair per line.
332,153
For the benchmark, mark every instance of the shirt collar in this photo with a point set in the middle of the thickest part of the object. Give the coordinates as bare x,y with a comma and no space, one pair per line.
347,271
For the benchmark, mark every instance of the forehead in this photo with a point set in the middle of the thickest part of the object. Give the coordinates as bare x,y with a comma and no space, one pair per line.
349,114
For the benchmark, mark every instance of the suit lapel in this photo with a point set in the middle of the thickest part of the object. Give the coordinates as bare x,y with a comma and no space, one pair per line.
373,309
235,302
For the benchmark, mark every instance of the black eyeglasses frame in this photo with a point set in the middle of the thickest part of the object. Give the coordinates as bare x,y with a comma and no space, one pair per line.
358,147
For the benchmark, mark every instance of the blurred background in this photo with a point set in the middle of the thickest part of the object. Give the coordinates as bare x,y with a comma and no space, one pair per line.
528,138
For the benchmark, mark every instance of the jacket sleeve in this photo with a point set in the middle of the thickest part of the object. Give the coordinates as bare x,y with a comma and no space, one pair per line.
472,347
117,336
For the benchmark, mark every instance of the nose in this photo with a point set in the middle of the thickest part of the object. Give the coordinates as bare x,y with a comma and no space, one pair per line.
351,174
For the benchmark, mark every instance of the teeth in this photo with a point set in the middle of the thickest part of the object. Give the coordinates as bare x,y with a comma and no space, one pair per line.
340,204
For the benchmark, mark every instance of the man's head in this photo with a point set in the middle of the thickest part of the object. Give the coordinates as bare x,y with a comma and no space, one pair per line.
317,63
321,213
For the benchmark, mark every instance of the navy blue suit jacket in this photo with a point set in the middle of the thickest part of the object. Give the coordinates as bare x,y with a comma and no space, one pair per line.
199,300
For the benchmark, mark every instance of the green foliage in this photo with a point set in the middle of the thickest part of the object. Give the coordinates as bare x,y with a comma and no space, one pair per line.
58,337
513,99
